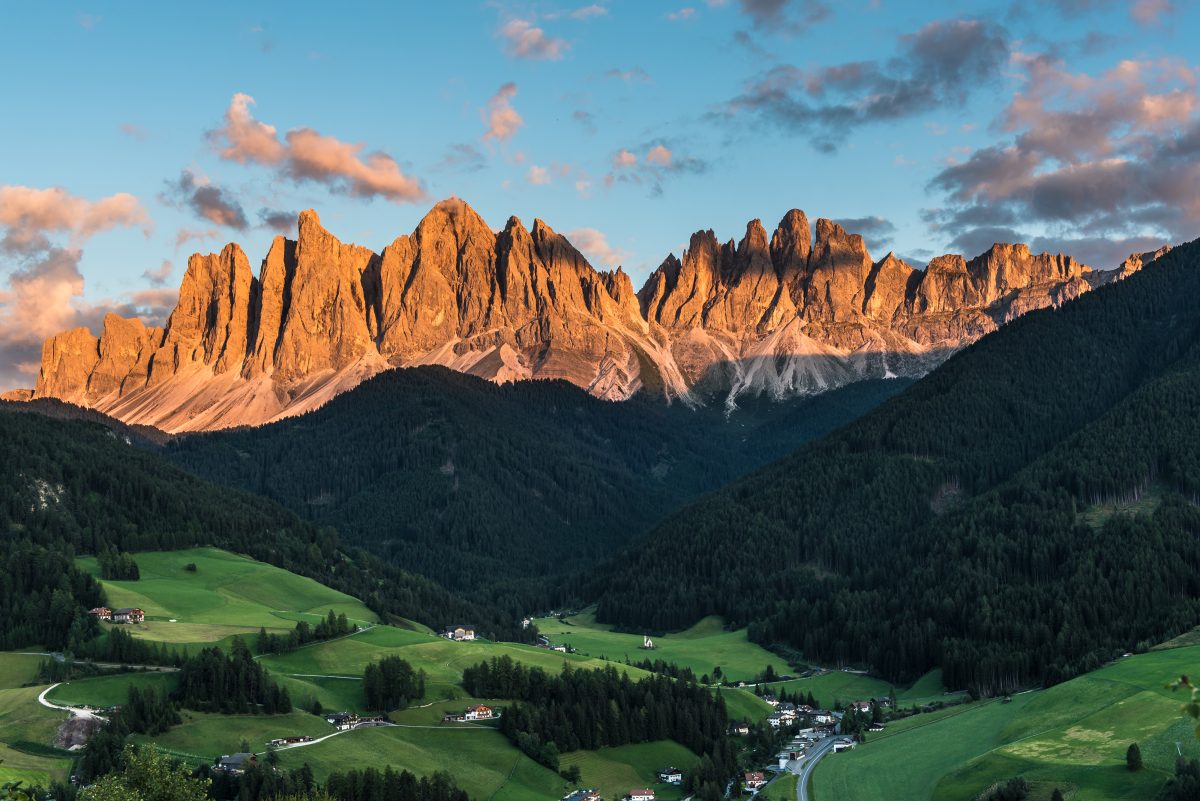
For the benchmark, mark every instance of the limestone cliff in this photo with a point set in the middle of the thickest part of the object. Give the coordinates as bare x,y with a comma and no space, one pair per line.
788,313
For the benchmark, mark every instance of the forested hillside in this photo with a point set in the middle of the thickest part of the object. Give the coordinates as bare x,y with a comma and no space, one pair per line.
974,522
484,486
69,487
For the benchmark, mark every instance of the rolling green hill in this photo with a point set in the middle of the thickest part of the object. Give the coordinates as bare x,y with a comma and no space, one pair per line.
950,527
1072,736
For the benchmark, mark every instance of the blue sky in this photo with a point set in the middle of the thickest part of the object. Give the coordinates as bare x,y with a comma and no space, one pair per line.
934,126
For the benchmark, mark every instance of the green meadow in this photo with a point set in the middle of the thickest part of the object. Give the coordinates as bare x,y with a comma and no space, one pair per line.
703,647
227,595
24,722
616,771
1072,736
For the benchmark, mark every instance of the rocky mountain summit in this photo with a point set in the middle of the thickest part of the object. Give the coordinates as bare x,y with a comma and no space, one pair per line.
786,314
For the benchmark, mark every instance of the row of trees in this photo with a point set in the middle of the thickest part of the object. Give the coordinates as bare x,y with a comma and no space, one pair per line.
391,683
117,566
232,684
589,709
329,628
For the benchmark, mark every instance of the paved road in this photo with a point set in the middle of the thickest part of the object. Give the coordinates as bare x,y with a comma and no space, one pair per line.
804,767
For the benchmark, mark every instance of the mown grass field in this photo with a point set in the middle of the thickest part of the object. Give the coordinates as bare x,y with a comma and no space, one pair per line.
1072,736
616,771
227,595
703,647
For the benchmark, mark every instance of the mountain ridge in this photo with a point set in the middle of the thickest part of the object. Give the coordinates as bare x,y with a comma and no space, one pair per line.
790,314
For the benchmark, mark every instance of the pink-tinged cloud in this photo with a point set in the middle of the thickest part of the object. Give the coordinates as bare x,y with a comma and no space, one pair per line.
1149,12
185,235
539,176
594,244
306,155
624,158
501,118
682,15
158,277
659,155
525,40
28,215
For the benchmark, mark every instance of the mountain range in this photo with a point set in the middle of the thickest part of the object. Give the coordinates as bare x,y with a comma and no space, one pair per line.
793,313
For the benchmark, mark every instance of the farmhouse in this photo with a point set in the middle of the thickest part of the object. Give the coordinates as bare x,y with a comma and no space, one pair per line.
583,795
342,720
740,729
842,745
861,706
128,615
459,633
670,776
641,794
478,712
101,612
236,763
754,780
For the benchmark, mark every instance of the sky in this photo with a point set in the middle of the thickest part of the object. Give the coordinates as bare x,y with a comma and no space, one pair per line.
136,134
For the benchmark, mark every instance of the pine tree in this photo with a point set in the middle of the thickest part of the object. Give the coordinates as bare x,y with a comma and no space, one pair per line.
1133,757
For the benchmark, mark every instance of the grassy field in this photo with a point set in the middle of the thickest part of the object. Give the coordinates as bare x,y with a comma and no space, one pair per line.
442,660
702,648
103,691
203,737
782,789
1072,736
227,595
17,670
23,720
616,771
481,760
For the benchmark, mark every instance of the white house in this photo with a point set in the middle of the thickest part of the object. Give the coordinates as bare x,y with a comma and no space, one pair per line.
641,794
459,633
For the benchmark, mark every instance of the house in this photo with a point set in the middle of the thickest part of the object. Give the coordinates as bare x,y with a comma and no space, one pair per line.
770,699
128,615
861,706
583,795
822,717
754,780
875,727
670,776
775,720
525,622
740,729
236,763
101,612
459,633
562,649
641,794
478,712
842,745
453,717
342,720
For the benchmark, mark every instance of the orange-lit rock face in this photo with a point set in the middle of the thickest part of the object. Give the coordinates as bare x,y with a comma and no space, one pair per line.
787,314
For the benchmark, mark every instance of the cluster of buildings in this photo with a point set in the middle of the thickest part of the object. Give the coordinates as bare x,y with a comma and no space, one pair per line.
462,633
235,764
283,741
786,713
476,712
129,614
342,721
